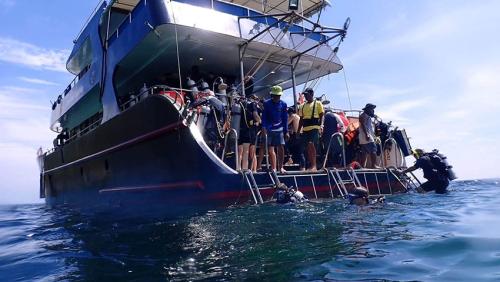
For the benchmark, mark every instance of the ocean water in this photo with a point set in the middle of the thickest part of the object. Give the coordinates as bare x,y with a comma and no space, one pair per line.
453,237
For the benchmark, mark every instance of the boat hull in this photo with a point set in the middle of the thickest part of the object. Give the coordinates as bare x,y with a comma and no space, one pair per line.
149,159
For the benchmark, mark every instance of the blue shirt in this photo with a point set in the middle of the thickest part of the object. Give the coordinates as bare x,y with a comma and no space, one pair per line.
275,116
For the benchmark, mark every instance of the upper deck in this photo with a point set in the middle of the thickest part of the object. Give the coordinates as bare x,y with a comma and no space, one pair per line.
126,41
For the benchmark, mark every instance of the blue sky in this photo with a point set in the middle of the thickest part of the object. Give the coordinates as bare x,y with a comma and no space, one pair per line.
430,66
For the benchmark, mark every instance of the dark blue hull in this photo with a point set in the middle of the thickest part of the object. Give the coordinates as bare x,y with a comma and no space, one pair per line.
148,159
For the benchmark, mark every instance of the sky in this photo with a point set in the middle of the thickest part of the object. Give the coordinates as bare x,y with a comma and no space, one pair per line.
431,67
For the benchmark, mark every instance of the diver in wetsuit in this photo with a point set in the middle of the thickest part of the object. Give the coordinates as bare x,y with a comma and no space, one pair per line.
359,197
435,171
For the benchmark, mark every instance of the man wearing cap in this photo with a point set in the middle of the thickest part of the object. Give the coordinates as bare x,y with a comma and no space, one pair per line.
275,125
367,136
311,119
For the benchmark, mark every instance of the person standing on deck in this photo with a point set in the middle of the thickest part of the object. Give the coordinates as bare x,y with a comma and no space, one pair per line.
311,119
249,123
333,124
367,136
275,125
294,143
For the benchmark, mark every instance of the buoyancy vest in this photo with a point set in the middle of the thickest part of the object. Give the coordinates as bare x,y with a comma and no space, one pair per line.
310,121
441,165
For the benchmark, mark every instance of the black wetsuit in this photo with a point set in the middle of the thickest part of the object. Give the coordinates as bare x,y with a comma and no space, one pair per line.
437,180
248,128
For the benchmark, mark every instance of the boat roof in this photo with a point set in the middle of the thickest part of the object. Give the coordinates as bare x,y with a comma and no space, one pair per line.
126,5
306,8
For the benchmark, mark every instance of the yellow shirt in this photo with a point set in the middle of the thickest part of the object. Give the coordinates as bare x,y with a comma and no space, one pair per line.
305,113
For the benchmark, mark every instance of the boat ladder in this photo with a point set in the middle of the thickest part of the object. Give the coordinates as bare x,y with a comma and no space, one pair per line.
342,182
255,189
411,181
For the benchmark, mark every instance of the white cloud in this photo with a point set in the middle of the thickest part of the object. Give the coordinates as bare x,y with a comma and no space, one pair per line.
37,81
19,174
23,119
17,52
24,126
435,32
398,112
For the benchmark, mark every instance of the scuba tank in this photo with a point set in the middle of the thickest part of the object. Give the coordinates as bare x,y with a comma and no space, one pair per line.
205,89
202,119
236,117
221,93
440,162
191,85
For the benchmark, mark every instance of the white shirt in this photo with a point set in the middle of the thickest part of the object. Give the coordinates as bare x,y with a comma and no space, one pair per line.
366,122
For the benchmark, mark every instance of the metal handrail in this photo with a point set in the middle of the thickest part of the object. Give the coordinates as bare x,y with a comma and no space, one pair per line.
149,91
265,146
232,130
90,127
330,144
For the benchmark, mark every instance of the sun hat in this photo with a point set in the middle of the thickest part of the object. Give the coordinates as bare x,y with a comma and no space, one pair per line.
369,106
276,90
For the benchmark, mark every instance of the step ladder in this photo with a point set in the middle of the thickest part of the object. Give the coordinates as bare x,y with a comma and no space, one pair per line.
340,182
411,181
295,176
255,189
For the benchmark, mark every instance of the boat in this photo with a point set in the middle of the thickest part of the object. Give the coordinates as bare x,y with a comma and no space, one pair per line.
130,134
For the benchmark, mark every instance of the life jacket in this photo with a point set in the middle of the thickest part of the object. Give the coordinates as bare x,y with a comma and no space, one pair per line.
351,134
344,119
311,120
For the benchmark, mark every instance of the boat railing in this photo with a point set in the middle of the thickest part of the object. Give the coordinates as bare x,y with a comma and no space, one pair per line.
79,133
85,130
96,9
337,136
348,113
177,100
127,20
307,26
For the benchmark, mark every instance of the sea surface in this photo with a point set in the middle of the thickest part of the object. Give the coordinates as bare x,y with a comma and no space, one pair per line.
453,237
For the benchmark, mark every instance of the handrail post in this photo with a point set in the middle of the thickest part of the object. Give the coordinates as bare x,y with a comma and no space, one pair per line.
329,145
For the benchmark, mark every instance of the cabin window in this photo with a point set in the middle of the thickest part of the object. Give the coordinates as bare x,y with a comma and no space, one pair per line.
80,60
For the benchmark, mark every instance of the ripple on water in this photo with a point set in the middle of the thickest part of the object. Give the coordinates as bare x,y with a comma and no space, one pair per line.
411,237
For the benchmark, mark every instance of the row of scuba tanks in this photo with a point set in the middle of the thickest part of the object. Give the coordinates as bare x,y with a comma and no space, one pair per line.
215,107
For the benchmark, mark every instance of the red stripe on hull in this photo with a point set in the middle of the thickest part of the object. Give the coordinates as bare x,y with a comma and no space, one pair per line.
170,186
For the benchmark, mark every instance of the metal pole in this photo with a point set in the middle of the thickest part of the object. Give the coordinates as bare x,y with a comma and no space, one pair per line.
293,86
242,71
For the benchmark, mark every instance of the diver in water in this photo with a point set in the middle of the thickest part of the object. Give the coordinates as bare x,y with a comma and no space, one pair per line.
436,171
285,195
359,197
